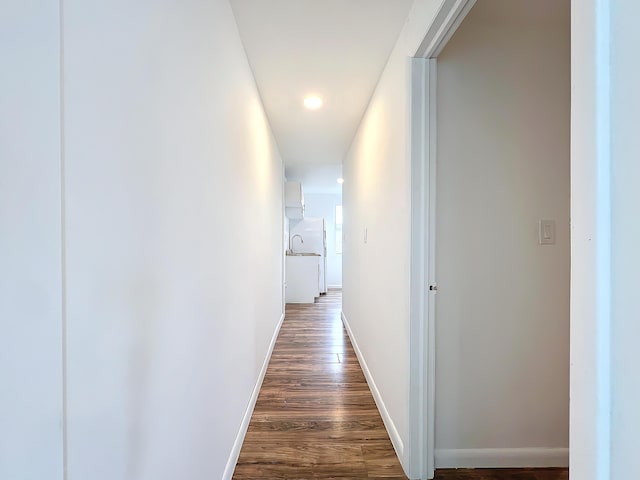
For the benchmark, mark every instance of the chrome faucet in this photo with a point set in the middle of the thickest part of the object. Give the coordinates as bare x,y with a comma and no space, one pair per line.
291,241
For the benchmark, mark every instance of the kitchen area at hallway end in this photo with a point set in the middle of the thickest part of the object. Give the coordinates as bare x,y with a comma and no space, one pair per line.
309,242
306,260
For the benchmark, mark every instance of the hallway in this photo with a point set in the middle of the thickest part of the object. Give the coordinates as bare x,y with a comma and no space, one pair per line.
315,416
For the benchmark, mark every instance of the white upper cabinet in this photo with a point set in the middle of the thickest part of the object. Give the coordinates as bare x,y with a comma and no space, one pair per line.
293,200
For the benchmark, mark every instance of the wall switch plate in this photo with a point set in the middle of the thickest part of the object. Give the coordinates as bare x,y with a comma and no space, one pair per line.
547,232
365,234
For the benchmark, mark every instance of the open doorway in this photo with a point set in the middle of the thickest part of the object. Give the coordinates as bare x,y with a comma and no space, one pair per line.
314,226
494,100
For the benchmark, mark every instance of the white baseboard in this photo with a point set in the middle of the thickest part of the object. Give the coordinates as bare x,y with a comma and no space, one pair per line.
398,445
237,445
334,287
502,457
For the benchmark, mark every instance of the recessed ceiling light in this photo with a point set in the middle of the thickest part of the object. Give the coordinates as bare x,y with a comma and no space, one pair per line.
340,180
313,103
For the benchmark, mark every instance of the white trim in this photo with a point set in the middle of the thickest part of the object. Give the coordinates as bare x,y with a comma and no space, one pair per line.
422,120
398,445
590,330
502,458
244,426
603,241
418,457
430,406
334,287
445,24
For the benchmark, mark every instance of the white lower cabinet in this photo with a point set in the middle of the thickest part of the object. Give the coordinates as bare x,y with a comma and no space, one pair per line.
302,274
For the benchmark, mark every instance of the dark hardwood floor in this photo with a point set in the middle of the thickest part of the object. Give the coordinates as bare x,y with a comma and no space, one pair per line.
315,417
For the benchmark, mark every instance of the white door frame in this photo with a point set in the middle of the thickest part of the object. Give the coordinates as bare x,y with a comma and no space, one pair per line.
422,119
591,304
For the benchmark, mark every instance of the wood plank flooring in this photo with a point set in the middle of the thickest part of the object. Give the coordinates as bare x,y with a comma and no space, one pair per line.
504,474
315,416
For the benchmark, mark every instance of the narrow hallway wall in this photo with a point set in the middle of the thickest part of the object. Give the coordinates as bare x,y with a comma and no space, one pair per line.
173,230
30,242
174,237
377,197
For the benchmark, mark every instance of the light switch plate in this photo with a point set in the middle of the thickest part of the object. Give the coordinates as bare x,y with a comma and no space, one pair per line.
547,232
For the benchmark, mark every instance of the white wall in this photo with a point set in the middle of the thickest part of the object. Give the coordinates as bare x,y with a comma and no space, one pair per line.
318,205
625,240
502,323
316,178
376,196
30,242
170,175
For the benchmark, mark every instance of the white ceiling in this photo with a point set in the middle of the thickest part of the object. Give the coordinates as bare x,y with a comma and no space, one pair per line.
335,49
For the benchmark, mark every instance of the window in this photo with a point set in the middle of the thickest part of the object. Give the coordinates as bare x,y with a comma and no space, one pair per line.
339,229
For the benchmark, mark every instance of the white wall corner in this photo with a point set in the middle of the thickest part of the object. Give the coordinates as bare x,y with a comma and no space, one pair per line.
396,440
244,426
502,458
